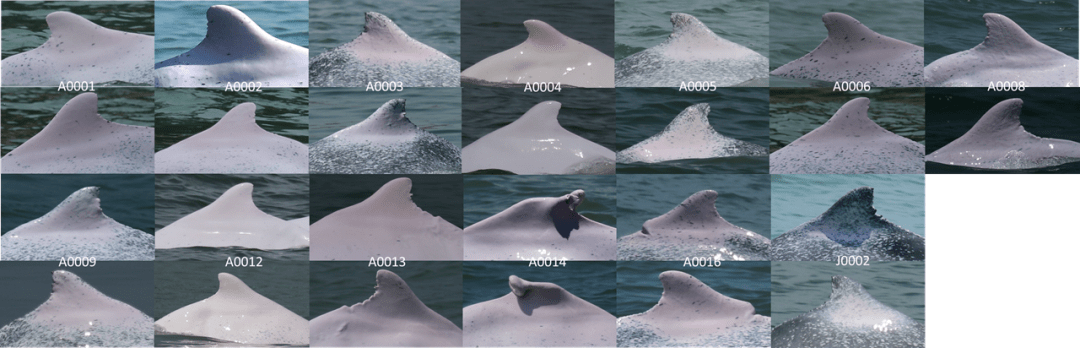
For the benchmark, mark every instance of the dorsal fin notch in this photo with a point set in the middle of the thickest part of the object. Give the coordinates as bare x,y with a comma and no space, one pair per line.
377,24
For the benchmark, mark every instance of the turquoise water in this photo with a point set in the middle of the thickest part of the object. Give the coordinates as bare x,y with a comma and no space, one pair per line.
126,198
640,24
796,111
795,27
743,199
487,195
587,112
26,110
740,113
280,195
899,198
24,26
183,112
437,194
27,284
181,25
434,23
798,287
436,110
592,281
954,26
338,283
492,26
640,287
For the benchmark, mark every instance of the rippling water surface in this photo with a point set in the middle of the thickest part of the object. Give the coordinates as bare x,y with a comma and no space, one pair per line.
795,28
793,112
640,287
25,28
183,112
640,24
27,284
436,110
899,198
954,26
27,110
799,287
434,23
181,25
740,113
742,200
126,198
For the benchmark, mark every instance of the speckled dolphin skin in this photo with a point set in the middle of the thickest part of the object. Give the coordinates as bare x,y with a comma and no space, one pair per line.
849,143
546,56
384,53
537,314
851,318
693,229
1007,54
78,315
853,52
541,227
235,144
392,317
535,143
79,141
77,226
691,53
385,143
235,50
236,313
233,220
387,224
691,314
689,135
79,50
851,227
998,141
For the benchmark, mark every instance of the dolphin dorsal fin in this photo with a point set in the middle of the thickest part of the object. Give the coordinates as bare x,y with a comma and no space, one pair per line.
230,286
690,122
858,203
850,120
395,195
696,212
230,29
847,31
76,117
540,119
392,296
525,289
379,25
236,202
1002,34
389,119
843,287
999,124
67,25
687,25
544,36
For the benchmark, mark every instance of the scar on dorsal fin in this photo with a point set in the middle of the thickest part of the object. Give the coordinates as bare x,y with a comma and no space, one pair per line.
392,294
